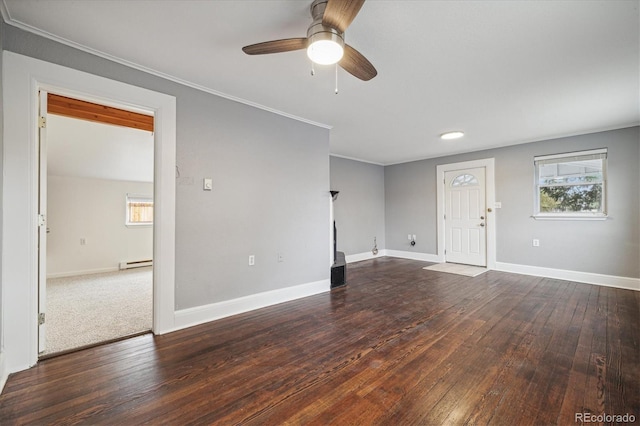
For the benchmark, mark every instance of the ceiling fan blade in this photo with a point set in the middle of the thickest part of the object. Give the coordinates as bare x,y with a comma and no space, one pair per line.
276,46
356,64
340,13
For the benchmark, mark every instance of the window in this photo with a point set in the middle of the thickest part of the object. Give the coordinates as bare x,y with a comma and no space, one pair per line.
571,185
465,180
139,210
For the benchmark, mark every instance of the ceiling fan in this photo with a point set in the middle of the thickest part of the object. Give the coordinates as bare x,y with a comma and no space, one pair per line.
325,39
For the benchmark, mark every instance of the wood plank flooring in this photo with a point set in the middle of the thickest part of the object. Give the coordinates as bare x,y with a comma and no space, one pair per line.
398,345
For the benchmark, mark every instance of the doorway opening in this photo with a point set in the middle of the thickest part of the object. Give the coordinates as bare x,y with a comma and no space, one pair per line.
96,201
23,77
466,213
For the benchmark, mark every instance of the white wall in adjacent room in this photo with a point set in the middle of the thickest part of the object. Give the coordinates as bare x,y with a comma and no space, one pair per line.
93,210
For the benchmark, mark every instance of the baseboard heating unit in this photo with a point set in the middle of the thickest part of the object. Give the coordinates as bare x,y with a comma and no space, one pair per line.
136,264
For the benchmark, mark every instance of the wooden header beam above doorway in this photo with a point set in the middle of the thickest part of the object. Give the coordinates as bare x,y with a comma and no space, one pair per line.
83,110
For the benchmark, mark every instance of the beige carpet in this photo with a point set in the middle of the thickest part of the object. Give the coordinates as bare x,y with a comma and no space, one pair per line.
456,268
89,309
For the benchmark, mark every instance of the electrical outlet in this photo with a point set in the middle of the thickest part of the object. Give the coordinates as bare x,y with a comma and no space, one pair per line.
252,260
280,257
83,241
409,237
414,238
536,242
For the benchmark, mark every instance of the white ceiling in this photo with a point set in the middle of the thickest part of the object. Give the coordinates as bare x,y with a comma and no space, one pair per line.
505,72
86,149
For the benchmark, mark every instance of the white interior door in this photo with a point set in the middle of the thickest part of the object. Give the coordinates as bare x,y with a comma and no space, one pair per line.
465,224
42,222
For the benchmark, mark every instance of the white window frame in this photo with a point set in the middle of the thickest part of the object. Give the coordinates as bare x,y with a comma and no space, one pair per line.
136,198
560,158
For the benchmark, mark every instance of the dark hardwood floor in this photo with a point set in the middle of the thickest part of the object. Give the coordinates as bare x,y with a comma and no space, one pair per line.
398,345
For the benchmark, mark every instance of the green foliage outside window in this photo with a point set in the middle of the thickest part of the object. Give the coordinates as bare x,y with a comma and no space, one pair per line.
582,198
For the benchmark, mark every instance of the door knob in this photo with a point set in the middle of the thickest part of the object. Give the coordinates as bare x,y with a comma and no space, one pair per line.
482,224
489,210
482,217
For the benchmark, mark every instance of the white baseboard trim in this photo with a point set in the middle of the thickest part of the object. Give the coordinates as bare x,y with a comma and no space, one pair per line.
201,314
538,271
425,257
83,272
3,372
561,274
364,256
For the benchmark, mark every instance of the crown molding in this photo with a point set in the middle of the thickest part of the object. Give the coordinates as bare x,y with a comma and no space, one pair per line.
356,159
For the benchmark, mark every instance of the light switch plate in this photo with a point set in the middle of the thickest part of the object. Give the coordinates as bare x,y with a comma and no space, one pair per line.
207,184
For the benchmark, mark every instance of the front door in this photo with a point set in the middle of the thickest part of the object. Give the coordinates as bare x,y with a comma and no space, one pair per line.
465,224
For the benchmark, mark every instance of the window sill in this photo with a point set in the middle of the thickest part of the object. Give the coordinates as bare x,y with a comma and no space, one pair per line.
138,225
568,217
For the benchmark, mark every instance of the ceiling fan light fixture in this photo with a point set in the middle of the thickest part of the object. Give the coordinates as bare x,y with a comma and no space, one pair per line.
325,39
452,135
326,45
325,52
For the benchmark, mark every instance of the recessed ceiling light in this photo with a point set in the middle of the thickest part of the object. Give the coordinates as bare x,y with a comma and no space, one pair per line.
452,135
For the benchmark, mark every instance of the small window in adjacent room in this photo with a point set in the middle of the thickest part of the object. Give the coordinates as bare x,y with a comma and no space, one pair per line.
139,210
571,186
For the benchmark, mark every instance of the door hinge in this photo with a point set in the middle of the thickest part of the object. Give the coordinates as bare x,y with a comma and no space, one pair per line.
42,122
42,220
41,318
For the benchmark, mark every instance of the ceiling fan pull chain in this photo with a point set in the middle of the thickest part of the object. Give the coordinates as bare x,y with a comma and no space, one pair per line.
313,71
336,78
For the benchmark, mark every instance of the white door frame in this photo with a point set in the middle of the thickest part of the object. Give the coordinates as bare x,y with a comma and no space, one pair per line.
489,166
43,219
23,77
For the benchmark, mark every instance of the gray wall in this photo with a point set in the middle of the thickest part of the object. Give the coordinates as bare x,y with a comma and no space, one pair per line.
270,195
410,206
359,209
610,247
